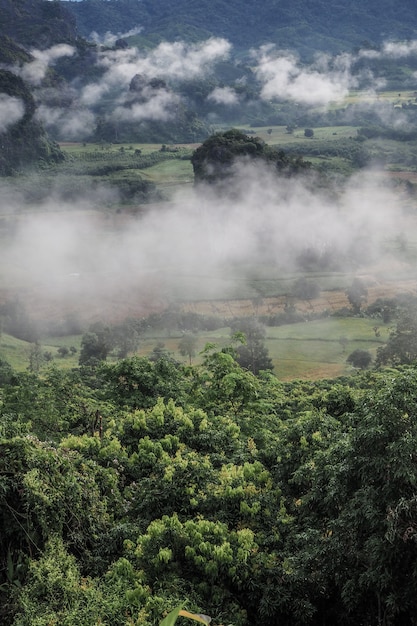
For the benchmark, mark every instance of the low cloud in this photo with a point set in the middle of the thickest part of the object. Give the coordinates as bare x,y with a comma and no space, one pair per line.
175,61
284,78
35,71
109,39
327,79
168,62
224,95
204,238
159,105
11,111
66,123
390,50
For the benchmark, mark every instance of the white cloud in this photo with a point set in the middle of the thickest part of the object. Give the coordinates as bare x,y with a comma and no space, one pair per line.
397,50
283,77
109,39
158,105
34,71
93,93
390,49
203,234
70,124
168,61
224,95
11,111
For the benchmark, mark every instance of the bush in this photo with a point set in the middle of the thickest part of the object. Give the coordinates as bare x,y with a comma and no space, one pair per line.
360,359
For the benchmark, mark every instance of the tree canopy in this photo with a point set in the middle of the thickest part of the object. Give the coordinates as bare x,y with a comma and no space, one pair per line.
324,26
214,160
24,141
140,486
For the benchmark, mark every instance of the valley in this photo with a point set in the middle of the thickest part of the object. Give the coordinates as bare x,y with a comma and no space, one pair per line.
208,313
82,282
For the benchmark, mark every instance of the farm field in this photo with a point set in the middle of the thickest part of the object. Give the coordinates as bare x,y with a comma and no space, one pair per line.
280,136
307,350
318,349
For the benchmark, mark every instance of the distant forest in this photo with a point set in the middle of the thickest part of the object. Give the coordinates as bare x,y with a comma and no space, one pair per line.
302,25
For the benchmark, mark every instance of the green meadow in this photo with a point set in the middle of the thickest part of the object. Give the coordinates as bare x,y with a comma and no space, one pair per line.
312,349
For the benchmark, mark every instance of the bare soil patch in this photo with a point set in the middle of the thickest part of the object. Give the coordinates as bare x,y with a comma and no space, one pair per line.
331,301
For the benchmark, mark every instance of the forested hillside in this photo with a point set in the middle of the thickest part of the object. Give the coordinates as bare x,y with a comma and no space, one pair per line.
136,487
36,24
23,142
24,25
305,26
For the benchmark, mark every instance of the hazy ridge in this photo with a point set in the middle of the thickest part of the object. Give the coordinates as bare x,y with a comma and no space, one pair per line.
302,25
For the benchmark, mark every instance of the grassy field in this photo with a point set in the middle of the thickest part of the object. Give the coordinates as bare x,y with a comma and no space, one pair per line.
169,167
397,98
279,134
16,351
308,350
319,348
170,174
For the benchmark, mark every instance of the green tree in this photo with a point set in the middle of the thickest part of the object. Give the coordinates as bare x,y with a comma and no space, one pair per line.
96,344
57,591
125,338
137,382
160,352
360,359
36,358
364,486
402,343
214,159
6,372
253,354
185,553
47,492
188,346
357,294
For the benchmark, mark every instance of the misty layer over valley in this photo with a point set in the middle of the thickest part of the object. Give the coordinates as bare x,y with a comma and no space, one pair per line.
202,244
130,94
75,250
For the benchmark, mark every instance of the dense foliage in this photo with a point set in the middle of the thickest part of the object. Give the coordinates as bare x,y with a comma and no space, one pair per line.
25,141
216,158
35,23
128,489
308,26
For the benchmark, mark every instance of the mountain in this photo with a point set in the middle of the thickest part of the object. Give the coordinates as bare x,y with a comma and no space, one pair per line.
304,25
85,90
23,142
26,25
36,24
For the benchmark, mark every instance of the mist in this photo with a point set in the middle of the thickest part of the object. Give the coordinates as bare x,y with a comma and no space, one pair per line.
12,110
34,71
205,241
70,111
200,245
